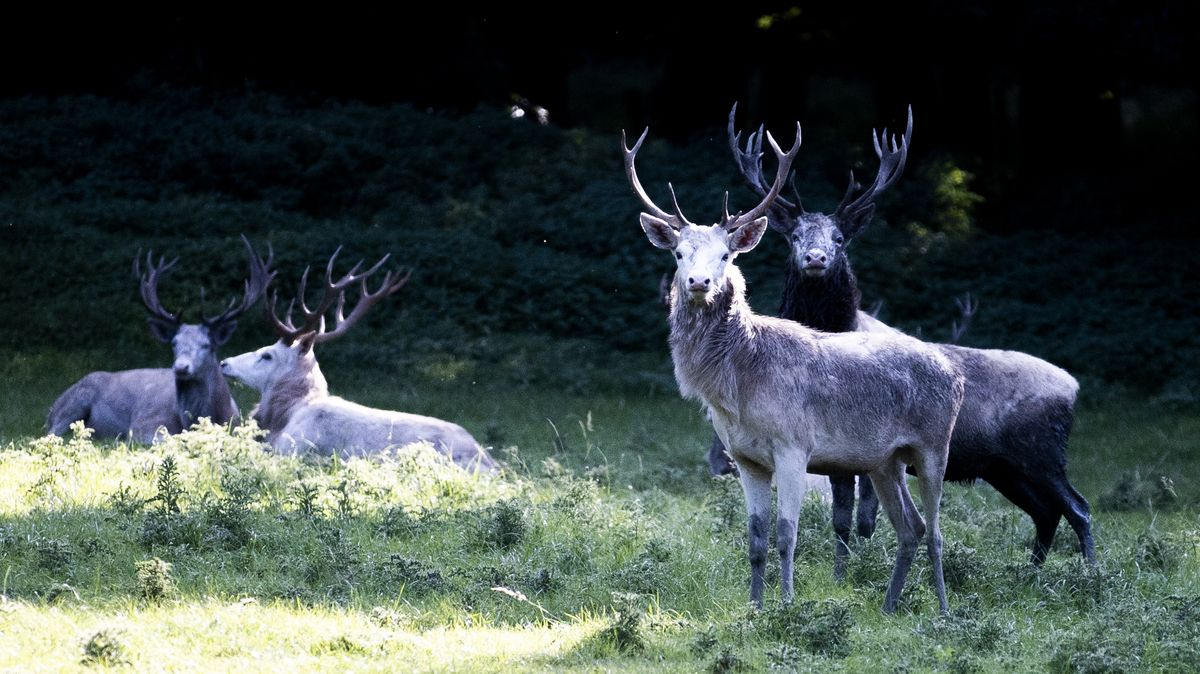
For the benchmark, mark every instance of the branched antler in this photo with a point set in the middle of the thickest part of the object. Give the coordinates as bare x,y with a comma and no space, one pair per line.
333,296
261,276
148,286
749,161
891,164
967,308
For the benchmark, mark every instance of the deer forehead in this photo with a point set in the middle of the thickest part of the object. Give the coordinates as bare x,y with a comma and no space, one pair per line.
812,226
695,239
192,337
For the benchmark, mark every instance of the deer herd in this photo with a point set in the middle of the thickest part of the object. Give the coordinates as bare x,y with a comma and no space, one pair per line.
823,389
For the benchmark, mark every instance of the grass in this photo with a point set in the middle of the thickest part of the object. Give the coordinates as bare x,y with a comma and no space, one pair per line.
603,546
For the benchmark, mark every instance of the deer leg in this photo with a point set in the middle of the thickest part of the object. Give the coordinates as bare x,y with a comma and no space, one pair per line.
1045,518
790,485
719,461
1075,508
756,484
930,474
843,510
897,503
868,507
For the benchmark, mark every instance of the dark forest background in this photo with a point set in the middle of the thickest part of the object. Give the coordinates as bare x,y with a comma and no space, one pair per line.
1051,172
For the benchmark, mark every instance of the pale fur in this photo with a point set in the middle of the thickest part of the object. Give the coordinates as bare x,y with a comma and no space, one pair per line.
301,417
785,398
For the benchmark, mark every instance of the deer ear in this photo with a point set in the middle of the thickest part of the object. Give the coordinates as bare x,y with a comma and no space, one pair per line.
163,331
661,234
306,341
221,332
857,221
746,237
781,223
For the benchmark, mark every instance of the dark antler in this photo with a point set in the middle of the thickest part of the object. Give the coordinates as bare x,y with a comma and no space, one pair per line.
334,297
676,220
749,163
967,308
730,223
148,286
891,165
260,277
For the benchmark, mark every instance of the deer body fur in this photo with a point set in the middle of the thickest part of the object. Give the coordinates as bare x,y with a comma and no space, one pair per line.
785,398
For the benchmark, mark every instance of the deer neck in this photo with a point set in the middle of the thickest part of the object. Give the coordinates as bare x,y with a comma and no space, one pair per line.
706,339
205,395
296,388
828,303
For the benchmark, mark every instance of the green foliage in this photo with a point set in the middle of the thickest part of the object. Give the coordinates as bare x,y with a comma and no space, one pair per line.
154,579
106,648
523,238
1133,491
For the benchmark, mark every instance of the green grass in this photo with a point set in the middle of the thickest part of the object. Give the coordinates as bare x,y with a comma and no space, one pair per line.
602,546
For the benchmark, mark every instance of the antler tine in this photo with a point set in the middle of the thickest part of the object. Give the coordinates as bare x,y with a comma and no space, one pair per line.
678,210
148,285
254,288
749,161
892,158
391,283
676,222
967,308
286,330
785,166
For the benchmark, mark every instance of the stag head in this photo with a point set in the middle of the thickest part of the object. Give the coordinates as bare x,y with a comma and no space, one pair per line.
703,253
195,344
262,368
819,240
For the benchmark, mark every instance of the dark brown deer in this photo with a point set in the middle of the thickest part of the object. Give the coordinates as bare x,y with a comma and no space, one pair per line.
786,399
297,410
136,404
1017,414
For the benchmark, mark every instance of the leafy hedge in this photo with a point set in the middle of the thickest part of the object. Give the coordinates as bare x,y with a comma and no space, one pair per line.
512,228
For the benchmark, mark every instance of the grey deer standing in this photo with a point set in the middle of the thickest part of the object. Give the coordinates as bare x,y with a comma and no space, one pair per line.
786,399
297,410
1017,410
135,404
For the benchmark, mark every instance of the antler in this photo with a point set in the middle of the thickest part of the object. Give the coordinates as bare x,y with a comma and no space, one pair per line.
148,286
334,296
749,163
676,220
730,223
967,308
891,165
260,277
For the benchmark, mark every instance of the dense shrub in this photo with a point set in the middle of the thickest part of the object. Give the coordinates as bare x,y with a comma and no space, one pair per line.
513,228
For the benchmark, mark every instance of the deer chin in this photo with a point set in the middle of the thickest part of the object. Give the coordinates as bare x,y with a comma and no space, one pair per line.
814,272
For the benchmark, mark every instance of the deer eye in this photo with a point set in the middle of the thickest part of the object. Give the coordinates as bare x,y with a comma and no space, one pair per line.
678,256
838,240
724,257
265,356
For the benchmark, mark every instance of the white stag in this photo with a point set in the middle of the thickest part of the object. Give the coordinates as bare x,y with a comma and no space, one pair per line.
135,404
297,410
786,399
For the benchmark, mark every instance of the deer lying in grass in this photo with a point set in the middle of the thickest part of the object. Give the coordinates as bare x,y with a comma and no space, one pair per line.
134,404
1017,411
296,409
786,399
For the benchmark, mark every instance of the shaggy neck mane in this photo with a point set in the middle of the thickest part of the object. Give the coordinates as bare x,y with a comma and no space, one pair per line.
204,396
705,337
827,303
297,387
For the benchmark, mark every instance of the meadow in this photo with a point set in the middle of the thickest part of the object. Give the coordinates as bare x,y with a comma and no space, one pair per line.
532,320
602,546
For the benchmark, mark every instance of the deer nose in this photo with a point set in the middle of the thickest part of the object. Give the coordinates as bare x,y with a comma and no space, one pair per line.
815,257
698,284
182,368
